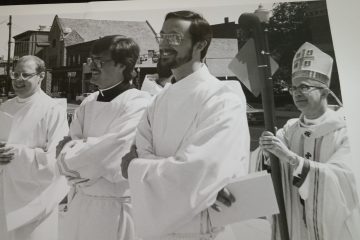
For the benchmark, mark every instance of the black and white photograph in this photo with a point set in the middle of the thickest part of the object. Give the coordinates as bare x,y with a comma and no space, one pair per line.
168,120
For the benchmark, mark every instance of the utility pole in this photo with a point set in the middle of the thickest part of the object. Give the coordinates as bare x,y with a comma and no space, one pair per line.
9,49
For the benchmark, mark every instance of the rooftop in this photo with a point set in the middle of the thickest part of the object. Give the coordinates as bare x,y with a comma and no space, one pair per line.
89,29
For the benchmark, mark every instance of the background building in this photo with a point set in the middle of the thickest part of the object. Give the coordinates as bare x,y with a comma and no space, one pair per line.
70,45
31,43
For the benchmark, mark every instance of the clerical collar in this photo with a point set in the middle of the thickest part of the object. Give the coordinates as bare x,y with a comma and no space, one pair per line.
108,94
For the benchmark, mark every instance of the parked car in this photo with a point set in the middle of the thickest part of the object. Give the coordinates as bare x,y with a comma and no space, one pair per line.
81,97
254,115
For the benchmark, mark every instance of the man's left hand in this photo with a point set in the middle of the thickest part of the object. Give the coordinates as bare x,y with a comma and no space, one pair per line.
225,197
127,159
274,145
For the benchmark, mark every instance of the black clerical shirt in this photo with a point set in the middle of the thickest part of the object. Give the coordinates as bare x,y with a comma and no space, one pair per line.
109,94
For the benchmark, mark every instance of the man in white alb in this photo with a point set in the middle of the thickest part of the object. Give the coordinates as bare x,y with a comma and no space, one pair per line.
192,141
29,190
101,133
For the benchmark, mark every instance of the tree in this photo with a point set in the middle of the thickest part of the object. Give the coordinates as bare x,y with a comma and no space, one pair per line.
288,30
290,26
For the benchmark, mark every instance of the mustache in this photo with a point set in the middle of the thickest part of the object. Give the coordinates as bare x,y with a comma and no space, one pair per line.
166,52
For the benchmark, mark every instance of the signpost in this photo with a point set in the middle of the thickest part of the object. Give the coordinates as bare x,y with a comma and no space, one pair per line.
70,75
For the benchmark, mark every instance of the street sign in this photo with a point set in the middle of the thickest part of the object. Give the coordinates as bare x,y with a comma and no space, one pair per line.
245,66
71,74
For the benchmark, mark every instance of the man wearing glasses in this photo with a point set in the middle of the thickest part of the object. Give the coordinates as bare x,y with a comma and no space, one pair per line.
191,142
31,126
320,190
102,131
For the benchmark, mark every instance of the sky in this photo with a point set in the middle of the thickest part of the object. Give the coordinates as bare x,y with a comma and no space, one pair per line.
136,10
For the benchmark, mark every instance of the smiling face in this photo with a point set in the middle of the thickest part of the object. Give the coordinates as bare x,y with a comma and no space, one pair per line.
105,73
311,102
175,55
27,87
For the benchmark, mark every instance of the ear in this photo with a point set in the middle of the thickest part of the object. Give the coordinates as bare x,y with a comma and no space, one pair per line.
201,45
42,76
325,92
121,67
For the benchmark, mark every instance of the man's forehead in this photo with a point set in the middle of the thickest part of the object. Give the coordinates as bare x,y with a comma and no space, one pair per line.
175,25
26,65
305,81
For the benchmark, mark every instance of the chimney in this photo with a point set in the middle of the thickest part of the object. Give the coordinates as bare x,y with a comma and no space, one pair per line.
42,27
226,20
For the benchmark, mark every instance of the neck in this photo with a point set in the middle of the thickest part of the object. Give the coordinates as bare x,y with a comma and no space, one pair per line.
27,96
316,113
106,87
24,98
186,69
162,81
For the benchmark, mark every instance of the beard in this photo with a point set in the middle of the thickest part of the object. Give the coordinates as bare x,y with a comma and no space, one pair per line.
175,61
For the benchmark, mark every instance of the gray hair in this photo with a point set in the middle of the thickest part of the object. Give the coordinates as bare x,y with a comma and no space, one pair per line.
40,64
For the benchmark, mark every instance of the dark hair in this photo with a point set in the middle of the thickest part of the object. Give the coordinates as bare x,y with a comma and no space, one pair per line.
122,50
200,29
40,65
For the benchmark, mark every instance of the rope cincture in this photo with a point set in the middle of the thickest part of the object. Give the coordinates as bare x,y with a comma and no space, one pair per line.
207,232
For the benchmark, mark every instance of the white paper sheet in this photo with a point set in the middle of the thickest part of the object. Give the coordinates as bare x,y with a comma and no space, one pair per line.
255,197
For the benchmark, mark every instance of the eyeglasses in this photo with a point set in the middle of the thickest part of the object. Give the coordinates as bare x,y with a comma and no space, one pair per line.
22,75
173,39
303,88
98,62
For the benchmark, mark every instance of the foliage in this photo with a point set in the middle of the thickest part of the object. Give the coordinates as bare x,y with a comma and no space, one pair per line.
288,30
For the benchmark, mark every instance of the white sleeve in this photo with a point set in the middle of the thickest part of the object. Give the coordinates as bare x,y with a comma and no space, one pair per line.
101,156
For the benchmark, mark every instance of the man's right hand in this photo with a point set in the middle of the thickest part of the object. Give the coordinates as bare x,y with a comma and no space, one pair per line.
61,144
5,156
225,197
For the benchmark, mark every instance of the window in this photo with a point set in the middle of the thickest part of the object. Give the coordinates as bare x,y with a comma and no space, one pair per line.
307,63
53,44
